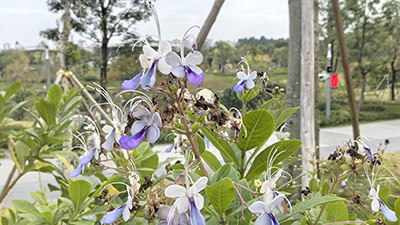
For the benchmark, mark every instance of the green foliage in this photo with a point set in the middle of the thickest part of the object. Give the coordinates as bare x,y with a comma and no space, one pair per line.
336,212
221,194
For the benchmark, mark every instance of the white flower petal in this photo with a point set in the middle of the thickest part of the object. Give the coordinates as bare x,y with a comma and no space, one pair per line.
153,133
194,58
172,59
249,84
163,212
174,191
144,62
241,76
182,203
141,113
157,119
179,71
137,126
199,201
163,67
149,52
264,219
126,214
253,75
375,205
164,47
199,185
107,129
275,202
257,207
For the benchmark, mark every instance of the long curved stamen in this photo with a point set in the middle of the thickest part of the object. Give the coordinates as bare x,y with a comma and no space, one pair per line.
142,97
93,124
244,60
270,161
156,19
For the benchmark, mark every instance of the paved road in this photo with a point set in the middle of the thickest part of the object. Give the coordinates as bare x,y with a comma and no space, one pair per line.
329,138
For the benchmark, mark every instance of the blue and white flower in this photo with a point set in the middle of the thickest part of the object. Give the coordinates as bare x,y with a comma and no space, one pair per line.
245,79
364,149
171,216
267,210
187,66
378,204
189,198
112,216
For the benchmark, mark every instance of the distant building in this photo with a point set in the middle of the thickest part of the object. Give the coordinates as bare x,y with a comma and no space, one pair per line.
6,47
209,42
82,44
18,46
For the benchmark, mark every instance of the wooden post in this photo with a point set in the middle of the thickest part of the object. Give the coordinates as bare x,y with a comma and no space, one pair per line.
346,68
307,99
201,38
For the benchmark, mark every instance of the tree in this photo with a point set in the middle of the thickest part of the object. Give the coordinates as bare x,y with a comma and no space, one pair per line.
391,21
101,20
362,22
222,53
205,29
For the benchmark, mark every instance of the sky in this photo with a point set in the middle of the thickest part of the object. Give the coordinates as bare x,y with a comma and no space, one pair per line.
22,20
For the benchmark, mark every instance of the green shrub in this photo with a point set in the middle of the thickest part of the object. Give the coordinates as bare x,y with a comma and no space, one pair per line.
92,78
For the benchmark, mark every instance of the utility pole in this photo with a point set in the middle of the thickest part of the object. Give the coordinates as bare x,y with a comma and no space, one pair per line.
307,102
346,68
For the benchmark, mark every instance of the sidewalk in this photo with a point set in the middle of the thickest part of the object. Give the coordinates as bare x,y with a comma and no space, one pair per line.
376,132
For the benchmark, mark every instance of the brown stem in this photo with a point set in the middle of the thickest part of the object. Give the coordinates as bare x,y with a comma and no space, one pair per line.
190,138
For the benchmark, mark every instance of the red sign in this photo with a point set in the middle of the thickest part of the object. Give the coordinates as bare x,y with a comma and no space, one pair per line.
334,81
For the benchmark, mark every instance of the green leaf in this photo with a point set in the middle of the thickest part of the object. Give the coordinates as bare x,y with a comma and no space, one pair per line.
2,102
13,216
4,220
325,188
55,94
252,93
384,193
46,213
24,206
258,166
46,110
222,145
397,207
23,152
211,160
13,153
39,197
284,116
12,90
98,210
300,207
269,102
73,104
336,212
223,172
260,125
4,113
221,194
69,204
313,185
78,191
201,145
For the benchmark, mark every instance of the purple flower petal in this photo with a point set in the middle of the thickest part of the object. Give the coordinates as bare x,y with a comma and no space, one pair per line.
109,143
388,213
194,78
240,86
132,142
86,159
169,149
76,172
195,216
369,154
133,83
200,112
148,80
112,216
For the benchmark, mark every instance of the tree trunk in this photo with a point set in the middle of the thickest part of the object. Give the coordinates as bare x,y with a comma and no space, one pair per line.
363,83
65,34
316,72
293,82
307,99
393,79
201,38
103,71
